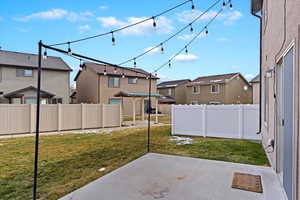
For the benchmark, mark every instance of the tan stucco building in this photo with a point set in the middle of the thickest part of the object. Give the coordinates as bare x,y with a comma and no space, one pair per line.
219,89
18,79
255,83
97,83
173,92
280,35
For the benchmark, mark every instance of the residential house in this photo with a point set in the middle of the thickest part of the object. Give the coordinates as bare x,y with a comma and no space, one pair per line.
173,91
220,89
280,40
97,83
18,79
255,83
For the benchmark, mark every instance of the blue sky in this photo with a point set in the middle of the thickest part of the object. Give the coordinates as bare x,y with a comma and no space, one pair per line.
232,44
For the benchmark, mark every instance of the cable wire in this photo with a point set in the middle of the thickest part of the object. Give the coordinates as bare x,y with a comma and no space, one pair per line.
125,27
172,36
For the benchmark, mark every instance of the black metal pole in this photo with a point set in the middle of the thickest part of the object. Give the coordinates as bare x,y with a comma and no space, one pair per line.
37,132
149,111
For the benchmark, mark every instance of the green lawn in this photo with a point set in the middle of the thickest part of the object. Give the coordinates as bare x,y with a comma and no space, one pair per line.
68,162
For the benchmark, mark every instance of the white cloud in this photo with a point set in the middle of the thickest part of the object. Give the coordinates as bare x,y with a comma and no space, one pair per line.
84,28
163,78
23,30
249,76
103,7
56,14
164,25
186,58
190,36
228,17
154,51
235,67
222,39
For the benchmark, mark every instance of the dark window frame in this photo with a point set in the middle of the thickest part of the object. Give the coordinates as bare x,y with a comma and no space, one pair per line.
113,86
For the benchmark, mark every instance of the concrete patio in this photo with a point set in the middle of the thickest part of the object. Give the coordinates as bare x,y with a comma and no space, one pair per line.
157,176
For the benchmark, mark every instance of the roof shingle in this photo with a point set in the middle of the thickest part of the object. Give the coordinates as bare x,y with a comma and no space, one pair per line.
175,83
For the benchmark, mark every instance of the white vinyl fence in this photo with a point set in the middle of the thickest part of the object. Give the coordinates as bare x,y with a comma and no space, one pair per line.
224,121
16,119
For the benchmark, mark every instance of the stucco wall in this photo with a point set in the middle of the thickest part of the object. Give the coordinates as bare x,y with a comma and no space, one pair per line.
275,41
87,87
235,92
55,82
255,93
181,94
205,96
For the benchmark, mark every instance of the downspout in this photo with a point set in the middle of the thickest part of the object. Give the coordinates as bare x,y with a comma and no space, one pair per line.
260,72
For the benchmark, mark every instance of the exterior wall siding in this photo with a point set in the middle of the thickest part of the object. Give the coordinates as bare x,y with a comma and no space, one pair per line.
235,93
55,82
276,39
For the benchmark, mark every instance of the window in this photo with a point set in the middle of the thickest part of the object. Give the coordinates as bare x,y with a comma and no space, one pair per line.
194,102
266,100
57,100
132,80
115,101
214,103
169,91
196,89
215,88
16,100
24,72
113,82
30,100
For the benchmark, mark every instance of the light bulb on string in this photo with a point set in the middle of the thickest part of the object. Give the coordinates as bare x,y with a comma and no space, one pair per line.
69,49
193,5
123,75
154,22
161,48
113,40
230,5
186,50
169,64
80,64
134,62
191,28
115,71
105,72
206,30
45,54
224,4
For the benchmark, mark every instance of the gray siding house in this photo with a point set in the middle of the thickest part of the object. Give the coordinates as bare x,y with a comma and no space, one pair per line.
18,79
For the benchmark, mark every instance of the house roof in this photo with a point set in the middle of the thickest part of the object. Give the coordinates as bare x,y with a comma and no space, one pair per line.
135,94
166,99
215,79
256,79
17,92
170,84
256,6
18,59
110,70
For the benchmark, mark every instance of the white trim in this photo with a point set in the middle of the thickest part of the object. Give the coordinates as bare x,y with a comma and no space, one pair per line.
211,88
193,89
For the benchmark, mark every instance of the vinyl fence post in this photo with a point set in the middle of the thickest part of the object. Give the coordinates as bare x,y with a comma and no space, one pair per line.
172,119
204,120
82,116
103,115
31,117
121,117
59,120
240,110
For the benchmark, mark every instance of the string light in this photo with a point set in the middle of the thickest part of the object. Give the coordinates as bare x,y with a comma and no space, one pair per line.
169,63
186,50
206,30
230,5
123,75
134,62
69,49
115,71
191,28
45,54
224,4
80,64
162,48
154,23
105,72
193,5
113,40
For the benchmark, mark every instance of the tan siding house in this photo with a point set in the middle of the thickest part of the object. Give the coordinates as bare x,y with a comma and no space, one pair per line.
220,89
18,78
173,91
97,83
255,83
280,40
